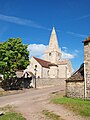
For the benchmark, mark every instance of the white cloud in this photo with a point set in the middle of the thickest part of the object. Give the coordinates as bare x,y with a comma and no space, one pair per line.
37,50
21,21
77,34
83,17
66,55
65,49
77,51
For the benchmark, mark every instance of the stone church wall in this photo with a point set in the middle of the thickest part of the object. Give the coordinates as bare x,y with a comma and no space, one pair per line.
62,71
31,67
45,72
47,82
75,89
53,72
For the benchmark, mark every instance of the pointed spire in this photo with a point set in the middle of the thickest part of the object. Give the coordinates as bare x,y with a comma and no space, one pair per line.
53,44
53,30
53,53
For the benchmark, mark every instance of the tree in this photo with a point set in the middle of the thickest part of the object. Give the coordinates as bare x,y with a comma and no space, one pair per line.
13,56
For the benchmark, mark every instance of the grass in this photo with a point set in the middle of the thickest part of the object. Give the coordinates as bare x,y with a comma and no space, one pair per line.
10,114
4,93
51,115
79,106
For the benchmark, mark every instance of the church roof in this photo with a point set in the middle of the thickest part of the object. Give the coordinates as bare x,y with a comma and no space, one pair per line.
52,64
63,62
43,63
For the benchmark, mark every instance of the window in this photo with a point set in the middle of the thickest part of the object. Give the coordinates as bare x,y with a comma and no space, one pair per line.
48,72
49,54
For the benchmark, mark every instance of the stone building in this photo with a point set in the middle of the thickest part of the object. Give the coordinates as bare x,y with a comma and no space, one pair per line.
87,67
52,66
78,85
75,84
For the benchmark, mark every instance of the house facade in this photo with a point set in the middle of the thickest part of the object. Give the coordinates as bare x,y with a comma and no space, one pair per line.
51,66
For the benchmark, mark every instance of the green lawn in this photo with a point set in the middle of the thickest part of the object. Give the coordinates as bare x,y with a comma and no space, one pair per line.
4,93
51,115
81,107
10,114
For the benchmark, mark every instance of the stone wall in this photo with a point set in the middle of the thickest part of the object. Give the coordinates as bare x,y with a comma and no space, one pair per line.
75,89
45,72
47,82
53,72
87,67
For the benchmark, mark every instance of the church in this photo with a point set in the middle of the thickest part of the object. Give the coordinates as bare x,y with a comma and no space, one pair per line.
52,66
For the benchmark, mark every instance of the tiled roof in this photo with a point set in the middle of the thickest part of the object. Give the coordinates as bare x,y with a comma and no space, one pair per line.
63,62
43,63
87,39
46,64
78,75
52,64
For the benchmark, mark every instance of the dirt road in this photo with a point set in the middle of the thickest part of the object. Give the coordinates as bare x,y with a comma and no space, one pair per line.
32,102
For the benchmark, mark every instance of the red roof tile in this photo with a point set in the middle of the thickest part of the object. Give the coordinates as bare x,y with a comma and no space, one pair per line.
43,63
78,75
52,64
63,62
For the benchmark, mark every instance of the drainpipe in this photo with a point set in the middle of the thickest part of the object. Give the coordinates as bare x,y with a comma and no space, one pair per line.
85,95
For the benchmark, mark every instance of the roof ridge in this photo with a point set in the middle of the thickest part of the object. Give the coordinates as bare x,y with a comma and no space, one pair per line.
43,63
41,59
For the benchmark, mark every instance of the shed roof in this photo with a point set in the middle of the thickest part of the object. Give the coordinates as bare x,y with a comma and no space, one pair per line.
78,75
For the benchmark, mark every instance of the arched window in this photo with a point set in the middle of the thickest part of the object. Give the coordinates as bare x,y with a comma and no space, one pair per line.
48,72
49,54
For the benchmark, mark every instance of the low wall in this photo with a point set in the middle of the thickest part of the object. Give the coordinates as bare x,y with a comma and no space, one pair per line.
47,82
75,89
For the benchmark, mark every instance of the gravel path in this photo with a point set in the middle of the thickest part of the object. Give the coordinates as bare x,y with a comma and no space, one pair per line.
34,101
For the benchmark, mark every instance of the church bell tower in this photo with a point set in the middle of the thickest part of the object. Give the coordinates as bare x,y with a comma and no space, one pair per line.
53,53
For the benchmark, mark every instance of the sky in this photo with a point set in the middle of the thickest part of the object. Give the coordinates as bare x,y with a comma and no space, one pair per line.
32,21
